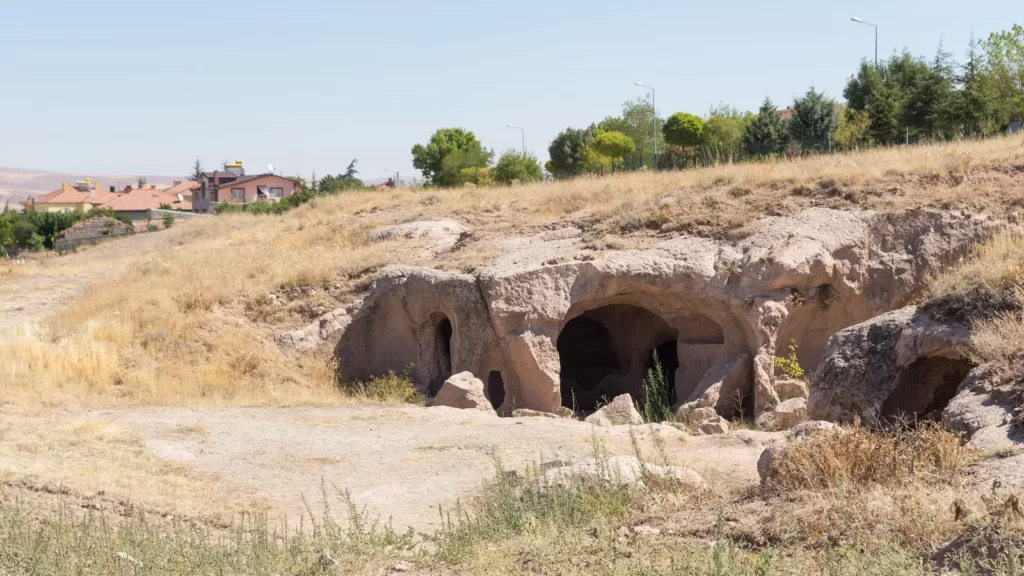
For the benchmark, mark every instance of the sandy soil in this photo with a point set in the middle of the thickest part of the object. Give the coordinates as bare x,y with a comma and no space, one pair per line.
400,462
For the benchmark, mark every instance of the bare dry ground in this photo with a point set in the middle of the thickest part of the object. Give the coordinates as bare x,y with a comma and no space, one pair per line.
401,462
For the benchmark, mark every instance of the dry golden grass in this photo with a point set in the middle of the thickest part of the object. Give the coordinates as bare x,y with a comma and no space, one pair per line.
987,292
185,316
858,457
99,459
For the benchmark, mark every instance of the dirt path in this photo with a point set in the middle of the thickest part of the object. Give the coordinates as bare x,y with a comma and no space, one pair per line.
31,298
400,462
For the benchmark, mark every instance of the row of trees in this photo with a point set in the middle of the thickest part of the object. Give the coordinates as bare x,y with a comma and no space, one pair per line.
38,231
454,157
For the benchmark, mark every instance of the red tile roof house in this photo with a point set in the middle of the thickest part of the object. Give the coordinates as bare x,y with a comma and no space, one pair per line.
138,204
232,185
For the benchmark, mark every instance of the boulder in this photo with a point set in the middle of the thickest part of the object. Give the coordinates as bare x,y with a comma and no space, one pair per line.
812,428
618,412
701,415
790,388
717,425
987,405
764,462
784,416
463,391
723,386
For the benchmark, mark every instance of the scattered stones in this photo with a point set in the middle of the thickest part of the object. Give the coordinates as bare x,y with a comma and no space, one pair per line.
463,390
619,412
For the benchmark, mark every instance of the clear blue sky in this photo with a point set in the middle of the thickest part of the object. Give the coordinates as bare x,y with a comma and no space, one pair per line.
146,86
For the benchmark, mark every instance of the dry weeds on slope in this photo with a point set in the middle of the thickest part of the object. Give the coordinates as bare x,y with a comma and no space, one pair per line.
188,315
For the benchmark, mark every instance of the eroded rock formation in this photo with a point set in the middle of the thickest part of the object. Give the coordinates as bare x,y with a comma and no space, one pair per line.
549,325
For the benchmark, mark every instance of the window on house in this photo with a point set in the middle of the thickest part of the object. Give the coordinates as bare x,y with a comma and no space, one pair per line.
276,192
261,192
238,193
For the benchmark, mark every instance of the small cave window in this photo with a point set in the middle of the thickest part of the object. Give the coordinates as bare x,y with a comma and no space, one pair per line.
495,389
442,369
925,388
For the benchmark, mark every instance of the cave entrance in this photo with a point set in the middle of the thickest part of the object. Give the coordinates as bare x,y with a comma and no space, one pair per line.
606,352
442,361
925,388
495,389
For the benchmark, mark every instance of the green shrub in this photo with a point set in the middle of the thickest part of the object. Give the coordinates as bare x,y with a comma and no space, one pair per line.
392,387
168,220
790,365
517,168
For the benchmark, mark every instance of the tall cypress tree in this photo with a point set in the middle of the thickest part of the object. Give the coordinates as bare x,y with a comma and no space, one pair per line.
766,133
814,120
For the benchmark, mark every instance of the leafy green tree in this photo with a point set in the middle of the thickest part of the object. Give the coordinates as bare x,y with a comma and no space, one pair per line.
197,171
614,145
351,173
724,127
976,101
465,167
444,143
814,120
6,232
683,130
569,152
1004,53
641,123
766,134
515,167
854,128
941,120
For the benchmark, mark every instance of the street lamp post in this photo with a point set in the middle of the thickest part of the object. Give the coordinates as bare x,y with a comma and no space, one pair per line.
654,123
523,130
859,21
395,172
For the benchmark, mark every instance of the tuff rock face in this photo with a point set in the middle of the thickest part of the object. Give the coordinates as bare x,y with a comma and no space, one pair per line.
899,365
544,327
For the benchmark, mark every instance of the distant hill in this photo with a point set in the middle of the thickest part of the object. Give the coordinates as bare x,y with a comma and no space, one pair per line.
17,184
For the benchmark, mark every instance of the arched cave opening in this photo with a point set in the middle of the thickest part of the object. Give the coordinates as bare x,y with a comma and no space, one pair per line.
606,352
925,388
495,389
442,368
